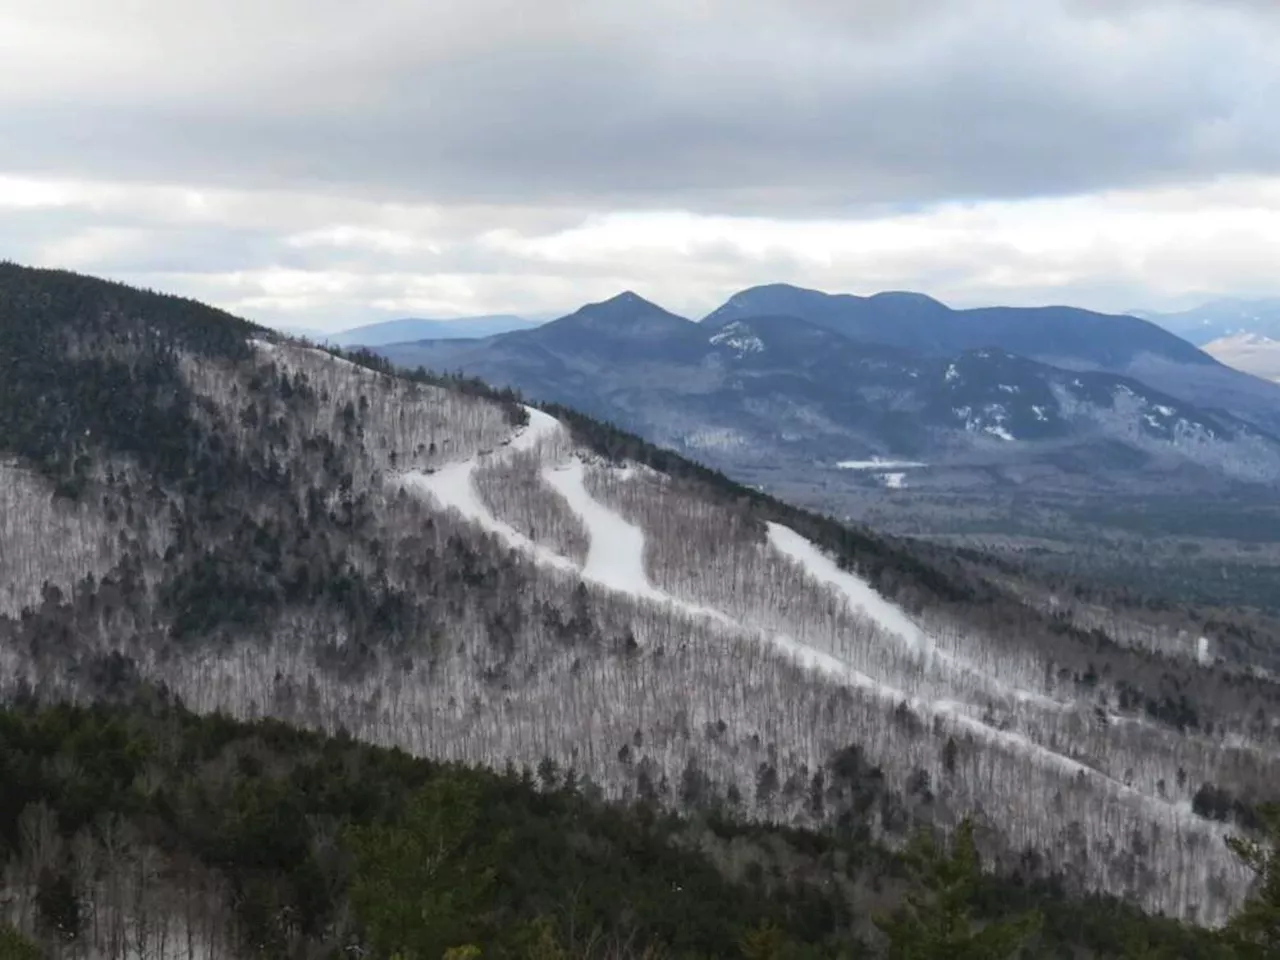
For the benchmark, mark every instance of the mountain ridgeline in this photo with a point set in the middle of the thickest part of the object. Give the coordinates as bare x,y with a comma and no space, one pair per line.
1061,398
1095,447
748,703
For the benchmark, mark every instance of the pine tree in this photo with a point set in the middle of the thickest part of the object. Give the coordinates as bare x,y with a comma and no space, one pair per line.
14,946
935,922
420,886
1254,932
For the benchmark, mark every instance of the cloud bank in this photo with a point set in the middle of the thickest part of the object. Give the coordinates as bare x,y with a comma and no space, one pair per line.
319,163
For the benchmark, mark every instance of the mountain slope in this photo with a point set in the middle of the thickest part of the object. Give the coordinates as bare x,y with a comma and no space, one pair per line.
413,328
922,325
427,564
1060,336
1251,352
1222,318
257,839
779,390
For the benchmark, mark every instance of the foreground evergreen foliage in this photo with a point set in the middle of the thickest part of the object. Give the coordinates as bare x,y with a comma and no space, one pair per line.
938,923
1255,931
130,826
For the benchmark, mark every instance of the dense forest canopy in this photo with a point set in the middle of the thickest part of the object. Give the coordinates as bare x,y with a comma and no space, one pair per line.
142,827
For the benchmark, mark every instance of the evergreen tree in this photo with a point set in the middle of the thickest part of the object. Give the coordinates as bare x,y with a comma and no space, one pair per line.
14,946
1254,932
420,885
935,921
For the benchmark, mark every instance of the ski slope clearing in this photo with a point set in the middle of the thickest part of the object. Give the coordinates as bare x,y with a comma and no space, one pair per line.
615,558
616,555
853,588
861,596
453,488
541,425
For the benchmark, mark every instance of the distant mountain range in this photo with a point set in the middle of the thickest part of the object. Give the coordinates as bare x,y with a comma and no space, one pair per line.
1221,318
783,380
1251,352
415,328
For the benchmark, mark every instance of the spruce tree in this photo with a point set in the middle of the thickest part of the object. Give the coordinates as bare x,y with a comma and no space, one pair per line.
1254,932
935,921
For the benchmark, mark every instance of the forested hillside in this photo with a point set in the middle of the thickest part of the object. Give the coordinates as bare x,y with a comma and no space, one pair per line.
144,831
267,530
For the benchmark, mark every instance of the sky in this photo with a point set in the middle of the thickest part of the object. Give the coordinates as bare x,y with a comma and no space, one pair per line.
321,164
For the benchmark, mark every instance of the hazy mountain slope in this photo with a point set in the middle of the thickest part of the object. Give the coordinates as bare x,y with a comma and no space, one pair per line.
315,540
922,325
1251,352
1060,336
786,392
413,328
1221,318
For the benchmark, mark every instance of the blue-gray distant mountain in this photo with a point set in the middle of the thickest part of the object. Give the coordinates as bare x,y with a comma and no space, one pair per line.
1218,319
919,323
1065,337
787,395
412,328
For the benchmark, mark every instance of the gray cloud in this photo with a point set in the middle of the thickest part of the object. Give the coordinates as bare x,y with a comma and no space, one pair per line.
761,106
314,162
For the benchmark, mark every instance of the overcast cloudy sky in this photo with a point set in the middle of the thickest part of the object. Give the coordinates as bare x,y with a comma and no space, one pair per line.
323,163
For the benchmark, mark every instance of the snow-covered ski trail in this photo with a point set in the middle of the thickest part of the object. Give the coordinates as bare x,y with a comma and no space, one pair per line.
453,487
615,557
857,591
893,620
615,560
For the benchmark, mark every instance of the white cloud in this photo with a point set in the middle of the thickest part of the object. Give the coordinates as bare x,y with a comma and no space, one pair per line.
319,260
309,161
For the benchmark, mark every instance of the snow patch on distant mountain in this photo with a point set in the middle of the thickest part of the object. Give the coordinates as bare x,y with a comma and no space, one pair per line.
714,438
991,419
739,338
875,463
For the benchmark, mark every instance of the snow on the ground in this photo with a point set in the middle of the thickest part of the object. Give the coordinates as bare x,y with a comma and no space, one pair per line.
615,558
894,481
1203,656
853,588
540,425
453,487
888,616
875,463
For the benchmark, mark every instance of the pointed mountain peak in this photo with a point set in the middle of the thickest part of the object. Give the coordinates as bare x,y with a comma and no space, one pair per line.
627,309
